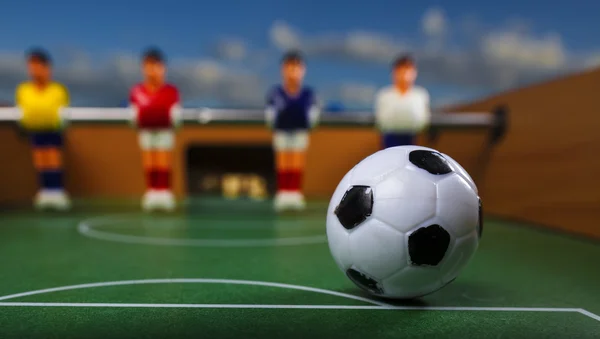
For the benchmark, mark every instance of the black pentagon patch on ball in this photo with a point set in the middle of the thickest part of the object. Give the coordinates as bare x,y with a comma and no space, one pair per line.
363,281
480,220
355,207
428,245
432,162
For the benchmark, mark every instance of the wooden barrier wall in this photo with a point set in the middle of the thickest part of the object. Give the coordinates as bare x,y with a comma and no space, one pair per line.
546,171
105,160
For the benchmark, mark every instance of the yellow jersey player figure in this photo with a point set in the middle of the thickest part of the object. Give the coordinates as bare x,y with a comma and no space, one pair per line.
291,112
41,101
402,110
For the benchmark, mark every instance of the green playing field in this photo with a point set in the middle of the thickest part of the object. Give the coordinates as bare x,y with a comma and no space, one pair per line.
236,270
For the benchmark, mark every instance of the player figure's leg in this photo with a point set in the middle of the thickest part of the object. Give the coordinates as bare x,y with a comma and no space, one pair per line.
47,157
163,154
299,145
38,148
146,142
283,162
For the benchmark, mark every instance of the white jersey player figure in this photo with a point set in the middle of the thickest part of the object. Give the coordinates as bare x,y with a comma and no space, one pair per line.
402,110
291,112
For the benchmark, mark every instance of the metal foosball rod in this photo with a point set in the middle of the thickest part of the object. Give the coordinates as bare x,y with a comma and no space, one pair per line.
495,121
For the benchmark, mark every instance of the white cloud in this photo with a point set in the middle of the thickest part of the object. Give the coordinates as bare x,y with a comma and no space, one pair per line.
231,49
513,47
371,46
107,84
493,59
433,23
207,72
472,58
592,60
357,45
356,94
283,36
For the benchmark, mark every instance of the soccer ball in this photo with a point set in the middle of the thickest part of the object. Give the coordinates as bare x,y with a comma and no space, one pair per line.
404,222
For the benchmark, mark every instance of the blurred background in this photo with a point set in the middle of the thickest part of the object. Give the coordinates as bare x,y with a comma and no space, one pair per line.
226,53
542,65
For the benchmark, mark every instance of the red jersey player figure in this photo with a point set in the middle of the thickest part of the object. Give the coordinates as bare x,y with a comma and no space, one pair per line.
156,109
291,111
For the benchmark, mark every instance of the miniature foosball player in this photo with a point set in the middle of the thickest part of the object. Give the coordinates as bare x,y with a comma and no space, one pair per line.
41,102
156,114
291,112
402,110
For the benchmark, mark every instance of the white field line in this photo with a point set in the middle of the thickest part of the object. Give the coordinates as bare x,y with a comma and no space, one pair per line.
374,305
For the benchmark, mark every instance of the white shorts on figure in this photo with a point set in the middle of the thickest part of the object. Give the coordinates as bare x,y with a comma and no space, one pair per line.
296,141
157,139
290,141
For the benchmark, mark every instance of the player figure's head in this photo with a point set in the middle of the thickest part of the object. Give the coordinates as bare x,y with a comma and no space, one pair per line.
404,71
39,65
153,66
293,68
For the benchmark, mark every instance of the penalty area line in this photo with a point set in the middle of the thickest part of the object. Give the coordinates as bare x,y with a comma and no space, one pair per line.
589,314
234,306
306,307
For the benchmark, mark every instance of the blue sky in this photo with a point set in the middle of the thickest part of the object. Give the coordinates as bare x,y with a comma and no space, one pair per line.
348,43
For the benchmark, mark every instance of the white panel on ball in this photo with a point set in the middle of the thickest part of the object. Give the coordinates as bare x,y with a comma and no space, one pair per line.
377,249
406,184
412,282
458,205
462,172
458,256
376,167
404,200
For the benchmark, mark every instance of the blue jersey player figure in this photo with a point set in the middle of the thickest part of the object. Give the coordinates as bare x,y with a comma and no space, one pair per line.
402,110
291,112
